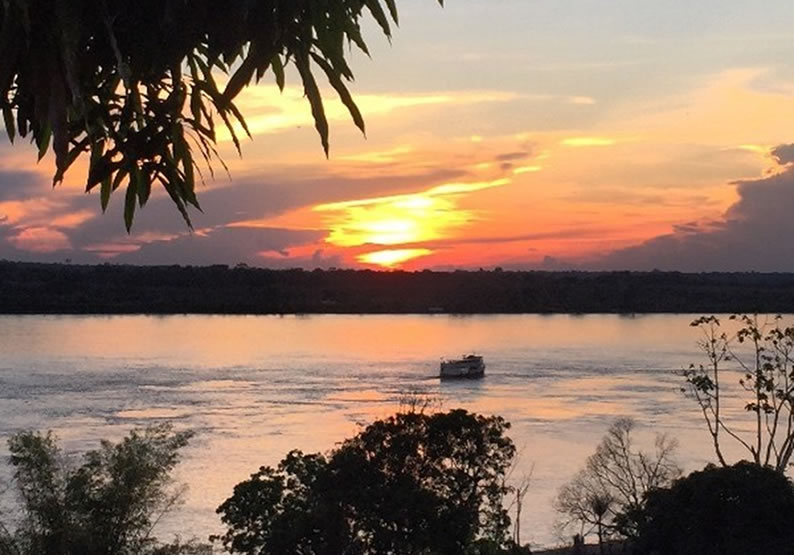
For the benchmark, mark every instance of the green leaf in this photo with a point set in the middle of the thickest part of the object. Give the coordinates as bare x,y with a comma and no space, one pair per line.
239,116
195,104
104,192
174,194
240,78
232,132
278,71
380,16
190,179
393,11
129,204
108,187
8,118
71,156
22,123
143,185
354,34
43,140
341,89
315,100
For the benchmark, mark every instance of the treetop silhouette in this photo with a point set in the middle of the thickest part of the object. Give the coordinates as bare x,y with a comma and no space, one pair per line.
134,85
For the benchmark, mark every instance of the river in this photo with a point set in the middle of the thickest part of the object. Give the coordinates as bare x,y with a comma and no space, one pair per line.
255,387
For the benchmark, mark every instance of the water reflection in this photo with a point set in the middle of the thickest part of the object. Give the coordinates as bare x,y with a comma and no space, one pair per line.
256,387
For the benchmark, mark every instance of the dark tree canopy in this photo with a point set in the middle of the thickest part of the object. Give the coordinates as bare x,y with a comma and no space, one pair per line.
412,483
132,84
742,509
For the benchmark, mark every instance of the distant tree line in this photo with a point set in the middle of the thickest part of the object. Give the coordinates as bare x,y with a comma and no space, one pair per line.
29,288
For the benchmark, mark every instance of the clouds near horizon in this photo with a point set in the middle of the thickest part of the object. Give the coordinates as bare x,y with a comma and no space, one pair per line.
753,234
641,142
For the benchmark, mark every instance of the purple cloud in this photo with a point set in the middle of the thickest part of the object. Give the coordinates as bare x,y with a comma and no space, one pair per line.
753,235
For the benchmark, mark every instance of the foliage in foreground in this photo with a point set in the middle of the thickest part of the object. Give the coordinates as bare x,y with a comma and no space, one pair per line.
606,495
742,509
767,380
107,505
413,483
137,86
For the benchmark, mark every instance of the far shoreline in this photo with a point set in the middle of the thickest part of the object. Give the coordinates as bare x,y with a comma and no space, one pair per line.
106,290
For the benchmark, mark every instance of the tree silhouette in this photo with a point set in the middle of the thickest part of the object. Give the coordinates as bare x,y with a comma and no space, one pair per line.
767,378
107,505
412,483
744,509
605,496
133,85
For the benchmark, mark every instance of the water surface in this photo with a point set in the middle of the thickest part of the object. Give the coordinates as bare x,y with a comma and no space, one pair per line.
255,387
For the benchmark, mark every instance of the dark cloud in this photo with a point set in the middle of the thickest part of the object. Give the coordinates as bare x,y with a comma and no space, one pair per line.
513,156
8,251
507,160
572,233
317,260
221,246
265,196
637,198
554,264
224,203
753,235
784,154
21,184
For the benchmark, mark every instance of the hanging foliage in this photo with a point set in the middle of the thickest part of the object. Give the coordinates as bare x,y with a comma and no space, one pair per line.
132,85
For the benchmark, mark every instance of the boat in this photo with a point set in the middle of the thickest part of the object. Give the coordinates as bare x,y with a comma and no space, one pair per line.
468,366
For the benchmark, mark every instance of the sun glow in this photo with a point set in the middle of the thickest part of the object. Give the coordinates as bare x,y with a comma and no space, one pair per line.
527,169
391,258
588,141
394,221
400,219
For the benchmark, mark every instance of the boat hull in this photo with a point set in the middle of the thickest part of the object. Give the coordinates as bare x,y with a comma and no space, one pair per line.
469,367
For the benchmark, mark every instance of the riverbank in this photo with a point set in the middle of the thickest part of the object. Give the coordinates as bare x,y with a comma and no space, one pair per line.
30,288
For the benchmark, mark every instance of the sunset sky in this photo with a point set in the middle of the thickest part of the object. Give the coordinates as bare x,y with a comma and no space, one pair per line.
526,134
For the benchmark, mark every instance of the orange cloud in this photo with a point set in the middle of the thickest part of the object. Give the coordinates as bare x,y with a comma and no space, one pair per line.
40,240
587,141
72,220
269,111
400,219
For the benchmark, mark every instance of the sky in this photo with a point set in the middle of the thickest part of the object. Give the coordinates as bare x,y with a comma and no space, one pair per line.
522,134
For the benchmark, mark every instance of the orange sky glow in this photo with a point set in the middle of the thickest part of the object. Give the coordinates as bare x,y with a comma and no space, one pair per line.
559,147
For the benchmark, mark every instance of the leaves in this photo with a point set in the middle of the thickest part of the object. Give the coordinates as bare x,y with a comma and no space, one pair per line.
761,351
107,78
411,483
129,203
315,100
107,504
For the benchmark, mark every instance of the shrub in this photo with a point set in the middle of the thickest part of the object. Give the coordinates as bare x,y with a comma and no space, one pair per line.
742,509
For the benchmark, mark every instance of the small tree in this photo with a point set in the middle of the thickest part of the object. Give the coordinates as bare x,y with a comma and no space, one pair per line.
412,483
106,506
605,495
767,377
519,492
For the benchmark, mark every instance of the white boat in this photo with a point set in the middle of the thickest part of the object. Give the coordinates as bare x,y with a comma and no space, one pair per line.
469,366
